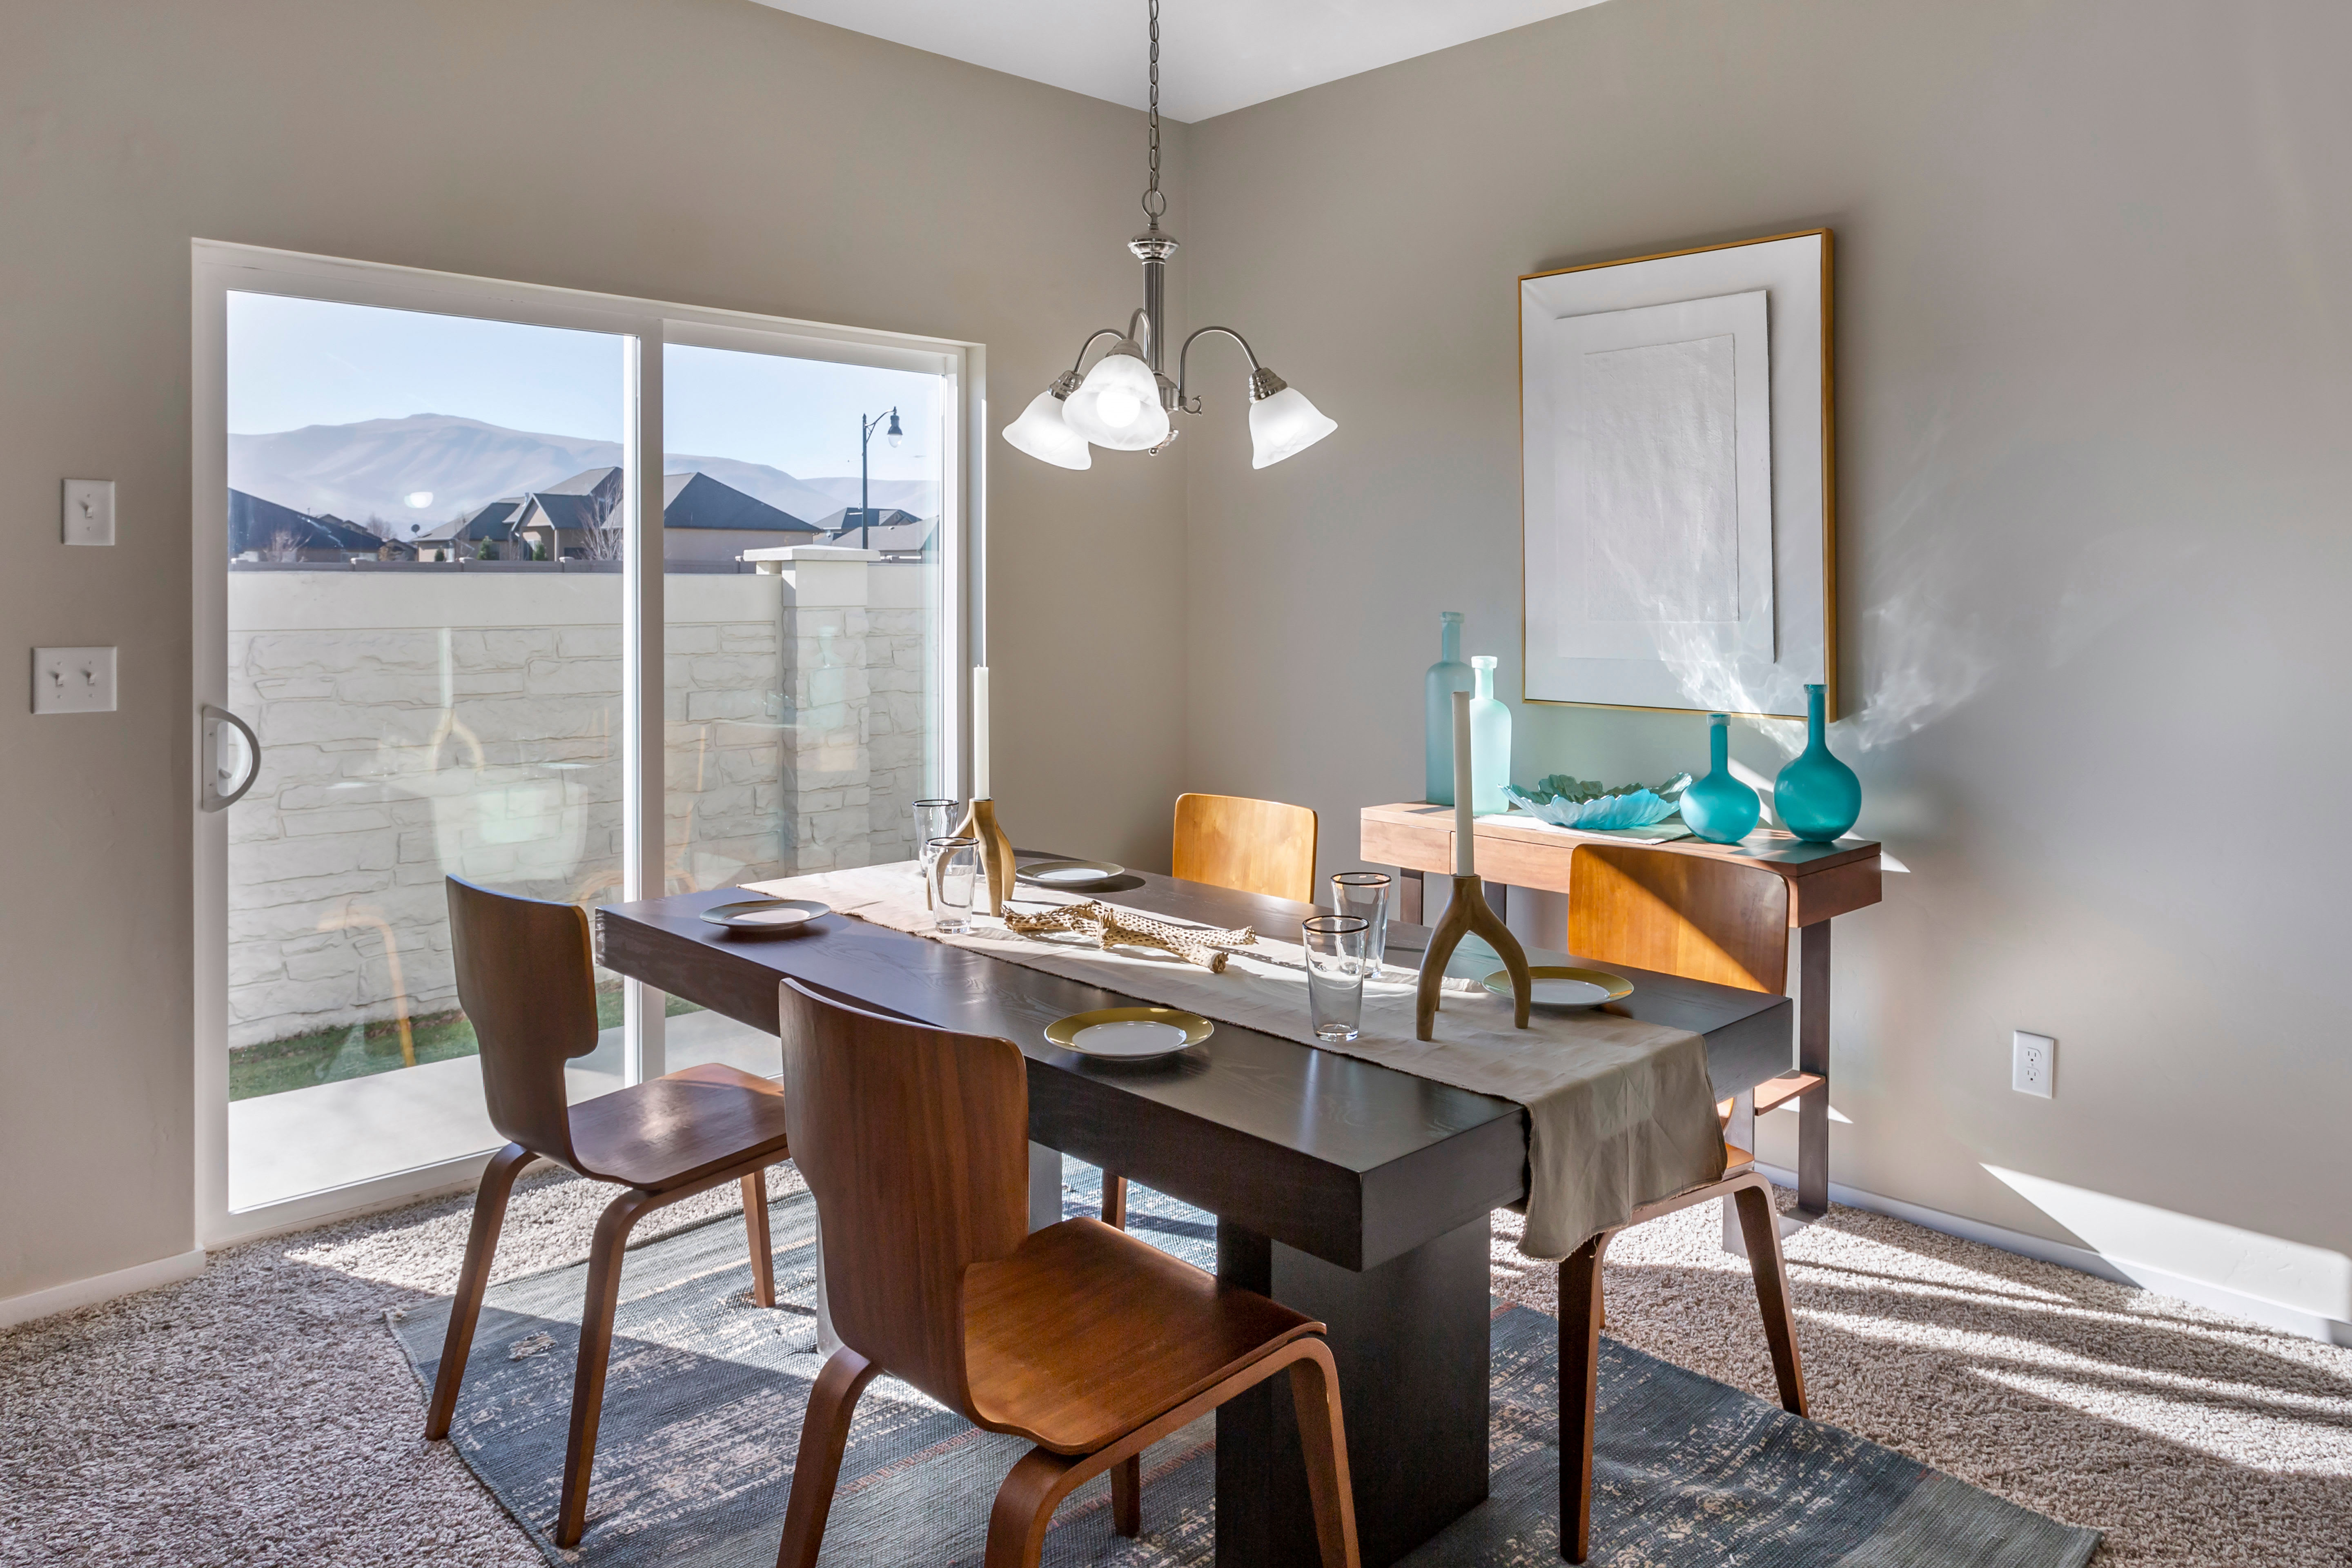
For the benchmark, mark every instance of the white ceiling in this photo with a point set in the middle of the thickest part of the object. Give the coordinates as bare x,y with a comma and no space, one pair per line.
1214,54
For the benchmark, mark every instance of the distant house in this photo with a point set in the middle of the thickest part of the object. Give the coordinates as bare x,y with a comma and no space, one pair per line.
262,529
702,520
895,533
490,522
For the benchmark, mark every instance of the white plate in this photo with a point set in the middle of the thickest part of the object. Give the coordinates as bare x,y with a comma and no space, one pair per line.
1070,873
1129,1041
1567,992
1551,986
765,914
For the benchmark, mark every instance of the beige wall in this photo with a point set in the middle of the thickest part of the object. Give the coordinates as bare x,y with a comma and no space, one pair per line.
711,151
2095,561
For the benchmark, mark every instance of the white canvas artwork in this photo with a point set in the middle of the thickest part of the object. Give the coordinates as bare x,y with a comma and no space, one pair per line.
1674,480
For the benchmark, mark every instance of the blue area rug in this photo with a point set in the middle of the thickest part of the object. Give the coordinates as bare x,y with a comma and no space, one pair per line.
703,1408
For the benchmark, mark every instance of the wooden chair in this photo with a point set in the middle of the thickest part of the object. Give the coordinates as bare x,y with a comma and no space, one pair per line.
526,978
1249,845
1708,920
1079,1339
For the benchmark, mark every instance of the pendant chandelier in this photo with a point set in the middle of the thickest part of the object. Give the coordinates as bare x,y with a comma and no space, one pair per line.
1125,403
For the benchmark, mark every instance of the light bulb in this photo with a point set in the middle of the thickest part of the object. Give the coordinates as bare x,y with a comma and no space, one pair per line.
1117,408
1117,405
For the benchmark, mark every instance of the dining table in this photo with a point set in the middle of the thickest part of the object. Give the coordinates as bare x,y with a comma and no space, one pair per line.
1356,1193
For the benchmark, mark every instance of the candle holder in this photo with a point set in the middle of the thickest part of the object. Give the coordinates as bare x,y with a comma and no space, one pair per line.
1469,912
996,852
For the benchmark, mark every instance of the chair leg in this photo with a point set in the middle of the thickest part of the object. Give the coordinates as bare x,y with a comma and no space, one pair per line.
1580,1381
595,1351
466,1307
1113,1200
1025,1506
1127,1496
1323,1437
824,1435
755,1226
1760,1229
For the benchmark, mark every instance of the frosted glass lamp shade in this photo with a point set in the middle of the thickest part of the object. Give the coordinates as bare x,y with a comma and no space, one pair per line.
1284,424
1045,434
1117,405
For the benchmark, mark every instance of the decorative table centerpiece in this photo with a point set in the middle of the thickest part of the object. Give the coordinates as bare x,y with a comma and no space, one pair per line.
1566,802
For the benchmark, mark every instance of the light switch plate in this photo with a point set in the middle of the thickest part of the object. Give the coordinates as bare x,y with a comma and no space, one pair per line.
73,681
90,511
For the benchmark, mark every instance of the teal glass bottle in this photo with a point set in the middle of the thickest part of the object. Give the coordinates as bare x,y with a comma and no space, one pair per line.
1490,742
1817,795
1718,807
1446,677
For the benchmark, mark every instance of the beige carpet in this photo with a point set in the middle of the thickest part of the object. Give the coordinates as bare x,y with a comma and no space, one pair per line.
261,1414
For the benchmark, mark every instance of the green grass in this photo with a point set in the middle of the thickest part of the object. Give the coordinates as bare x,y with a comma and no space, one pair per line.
356,1050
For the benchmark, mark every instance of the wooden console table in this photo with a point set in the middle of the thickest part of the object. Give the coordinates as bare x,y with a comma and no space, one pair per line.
1825,880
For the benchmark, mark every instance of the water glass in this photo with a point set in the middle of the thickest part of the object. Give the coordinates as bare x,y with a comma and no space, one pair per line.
1334,973
955,866
1365,895
933,819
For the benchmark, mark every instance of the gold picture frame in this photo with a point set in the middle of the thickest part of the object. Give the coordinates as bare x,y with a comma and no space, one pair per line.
1828,467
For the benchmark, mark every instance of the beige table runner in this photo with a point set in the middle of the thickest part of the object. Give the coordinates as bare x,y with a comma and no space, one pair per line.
1619,1112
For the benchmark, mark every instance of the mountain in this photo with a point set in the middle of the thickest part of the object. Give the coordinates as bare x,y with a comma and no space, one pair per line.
449,466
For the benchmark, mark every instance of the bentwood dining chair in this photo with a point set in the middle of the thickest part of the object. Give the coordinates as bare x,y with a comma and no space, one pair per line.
526,979
1707,919
1249,845
1077,1338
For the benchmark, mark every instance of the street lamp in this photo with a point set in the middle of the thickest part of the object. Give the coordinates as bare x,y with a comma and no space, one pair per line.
864,497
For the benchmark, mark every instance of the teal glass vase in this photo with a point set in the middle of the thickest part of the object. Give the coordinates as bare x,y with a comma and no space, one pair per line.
1490,742
1446,677
1718,807
1817,796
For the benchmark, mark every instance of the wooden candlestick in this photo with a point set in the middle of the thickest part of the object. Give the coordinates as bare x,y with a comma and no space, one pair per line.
995,851
1467,912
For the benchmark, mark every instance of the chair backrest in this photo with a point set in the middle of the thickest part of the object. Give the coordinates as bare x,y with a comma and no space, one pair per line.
1249,845
1680,914
527,980
915,1142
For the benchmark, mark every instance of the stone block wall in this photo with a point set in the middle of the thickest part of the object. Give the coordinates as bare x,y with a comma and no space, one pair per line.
418,724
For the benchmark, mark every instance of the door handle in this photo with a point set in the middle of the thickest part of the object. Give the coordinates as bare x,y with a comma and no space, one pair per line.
215,774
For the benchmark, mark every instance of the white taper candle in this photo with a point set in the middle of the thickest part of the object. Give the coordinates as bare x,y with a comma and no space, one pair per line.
979,733
1466,860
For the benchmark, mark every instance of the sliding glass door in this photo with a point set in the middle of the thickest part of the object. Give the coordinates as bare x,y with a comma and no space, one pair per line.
449,623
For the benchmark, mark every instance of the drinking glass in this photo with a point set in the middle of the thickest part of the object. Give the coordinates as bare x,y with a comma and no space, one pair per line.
1365,895
1334,973
955,864
933,819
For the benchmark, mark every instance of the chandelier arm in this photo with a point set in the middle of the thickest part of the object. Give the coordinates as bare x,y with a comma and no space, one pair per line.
1183,360
1098,334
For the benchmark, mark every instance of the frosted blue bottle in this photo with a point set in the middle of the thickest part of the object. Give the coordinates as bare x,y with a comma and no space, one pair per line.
1817,796
1446,677
1718,807
1490,742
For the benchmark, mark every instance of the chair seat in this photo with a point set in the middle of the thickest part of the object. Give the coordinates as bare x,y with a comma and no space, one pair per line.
674,1130
1085,1334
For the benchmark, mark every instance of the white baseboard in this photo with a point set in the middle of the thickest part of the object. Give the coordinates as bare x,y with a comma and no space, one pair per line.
2083,1260
88,1292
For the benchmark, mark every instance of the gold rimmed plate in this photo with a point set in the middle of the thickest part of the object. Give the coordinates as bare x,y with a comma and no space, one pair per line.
1075,875
1555,986
766,917
1129,1034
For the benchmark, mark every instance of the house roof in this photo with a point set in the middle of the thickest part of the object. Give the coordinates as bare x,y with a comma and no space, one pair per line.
488,522
698,501
902,534
255,523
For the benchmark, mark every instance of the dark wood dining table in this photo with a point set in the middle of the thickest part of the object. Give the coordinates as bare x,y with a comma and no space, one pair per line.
1353,1193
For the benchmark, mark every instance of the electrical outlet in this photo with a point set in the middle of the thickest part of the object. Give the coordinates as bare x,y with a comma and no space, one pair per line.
2033,1063
90,511
73,681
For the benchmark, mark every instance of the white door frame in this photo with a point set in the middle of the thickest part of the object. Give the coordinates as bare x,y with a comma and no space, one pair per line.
219,268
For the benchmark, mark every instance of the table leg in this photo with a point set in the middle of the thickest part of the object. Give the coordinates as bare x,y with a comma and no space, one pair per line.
1813,1057
1411,1341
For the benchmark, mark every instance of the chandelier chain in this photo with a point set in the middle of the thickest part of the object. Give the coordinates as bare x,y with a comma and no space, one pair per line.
1154,204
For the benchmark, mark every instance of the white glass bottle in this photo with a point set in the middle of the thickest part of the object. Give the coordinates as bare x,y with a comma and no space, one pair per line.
1490,742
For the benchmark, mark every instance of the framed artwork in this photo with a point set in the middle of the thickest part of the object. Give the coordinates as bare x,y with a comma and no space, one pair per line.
1677,479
